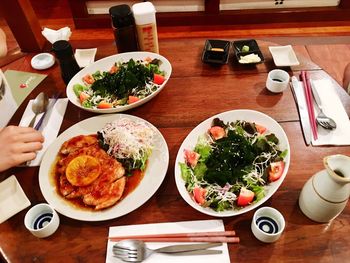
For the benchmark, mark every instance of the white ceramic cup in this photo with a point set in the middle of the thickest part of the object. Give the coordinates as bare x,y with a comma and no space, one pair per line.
42,220
267,224
277,80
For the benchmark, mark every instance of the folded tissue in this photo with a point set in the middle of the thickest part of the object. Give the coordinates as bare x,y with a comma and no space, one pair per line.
54,35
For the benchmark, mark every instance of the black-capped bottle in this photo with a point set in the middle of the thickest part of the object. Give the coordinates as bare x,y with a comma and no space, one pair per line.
124,28
64,53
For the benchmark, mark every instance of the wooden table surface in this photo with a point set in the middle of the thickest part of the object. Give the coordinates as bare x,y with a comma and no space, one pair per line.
195,92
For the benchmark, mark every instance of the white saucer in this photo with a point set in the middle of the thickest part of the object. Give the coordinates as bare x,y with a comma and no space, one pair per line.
42,61
12,198
284,56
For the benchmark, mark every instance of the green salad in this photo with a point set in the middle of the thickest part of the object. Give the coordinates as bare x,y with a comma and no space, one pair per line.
125,83
231,165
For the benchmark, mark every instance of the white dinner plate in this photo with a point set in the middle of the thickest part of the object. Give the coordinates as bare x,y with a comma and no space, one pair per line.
154,174
284,56
231,116
105,64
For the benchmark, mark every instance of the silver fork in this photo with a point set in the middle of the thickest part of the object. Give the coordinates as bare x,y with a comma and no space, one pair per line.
136,250
322,119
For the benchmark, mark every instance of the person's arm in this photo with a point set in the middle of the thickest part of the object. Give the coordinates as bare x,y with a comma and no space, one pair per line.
18,145
346,78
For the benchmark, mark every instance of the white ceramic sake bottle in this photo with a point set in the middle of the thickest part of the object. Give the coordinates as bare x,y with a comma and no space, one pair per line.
325,194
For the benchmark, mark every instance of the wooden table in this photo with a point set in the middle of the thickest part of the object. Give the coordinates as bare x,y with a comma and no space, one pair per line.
195,92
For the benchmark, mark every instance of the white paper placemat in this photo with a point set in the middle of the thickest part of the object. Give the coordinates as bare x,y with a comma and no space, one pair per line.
177,227
50,126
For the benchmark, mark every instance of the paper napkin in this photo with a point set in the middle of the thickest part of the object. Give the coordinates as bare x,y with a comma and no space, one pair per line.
332,107
54,35
50,126
177,227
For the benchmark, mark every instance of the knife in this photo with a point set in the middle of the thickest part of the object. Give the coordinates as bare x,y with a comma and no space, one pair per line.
197,252
186,248
302,108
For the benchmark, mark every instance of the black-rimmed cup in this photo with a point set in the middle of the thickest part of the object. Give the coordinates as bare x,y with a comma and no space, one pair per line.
267,224
42,220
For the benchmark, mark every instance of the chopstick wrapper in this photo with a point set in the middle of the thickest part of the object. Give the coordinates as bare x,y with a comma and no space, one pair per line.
176,227
332,107
50,126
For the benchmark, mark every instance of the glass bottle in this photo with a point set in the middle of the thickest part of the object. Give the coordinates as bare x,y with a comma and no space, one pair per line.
64,53
124,29
146,26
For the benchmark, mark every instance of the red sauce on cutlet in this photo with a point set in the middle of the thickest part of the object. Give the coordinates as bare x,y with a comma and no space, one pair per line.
132,182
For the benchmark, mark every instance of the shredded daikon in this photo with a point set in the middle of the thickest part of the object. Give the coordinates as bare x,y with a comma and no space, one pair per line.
128,139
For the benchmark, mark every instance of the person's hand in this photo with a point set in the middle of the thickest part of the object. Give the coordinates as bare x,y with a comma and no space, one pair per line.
18,145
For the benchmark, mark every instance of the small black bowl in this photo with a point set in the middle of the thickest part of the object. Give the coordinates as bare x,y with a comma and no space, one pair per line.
216,51
241,51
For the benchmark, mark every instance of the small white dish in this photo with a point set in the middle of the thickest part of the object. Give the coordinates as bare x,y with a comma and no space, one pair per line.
42,61
284,56
85,57
267,224
12,198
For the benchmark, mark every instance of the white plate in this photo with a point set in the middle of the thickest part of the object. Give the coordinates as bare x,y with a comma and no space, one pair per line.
154,175
284,56
12,198
229,116
104,65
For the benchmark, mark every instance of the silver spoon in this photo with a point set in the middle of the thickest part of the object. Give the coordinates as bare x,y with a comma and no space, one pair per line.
323,120
131,250
39,105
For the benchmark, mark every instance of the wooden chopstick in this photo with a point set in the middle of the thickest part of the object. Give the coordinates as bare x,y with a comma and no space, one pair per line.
310,108
188,239
220,236
185,239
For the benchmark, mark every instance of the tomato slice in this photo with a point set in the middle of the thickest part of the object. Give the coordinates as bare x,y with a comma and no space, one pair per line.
132,99
191,157
104,105
245,197
158,79
88,79
217,132
276,170
261,129
83,97
199,194
113,69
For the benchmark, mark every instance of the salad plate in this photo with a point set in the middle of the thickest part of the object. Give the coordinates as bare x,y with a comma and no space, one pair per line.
105,65
192,141
154,174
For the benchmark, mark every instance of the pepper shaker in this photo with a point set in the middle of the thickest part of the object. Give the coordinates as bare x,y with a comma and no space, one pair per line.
64,53
123,25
